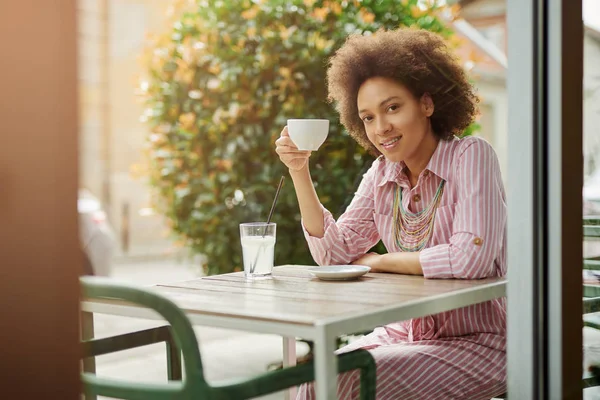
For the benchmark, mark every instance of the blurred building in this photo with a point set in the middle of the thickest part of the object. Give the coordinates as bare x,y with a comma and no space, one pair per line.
488,20
111,36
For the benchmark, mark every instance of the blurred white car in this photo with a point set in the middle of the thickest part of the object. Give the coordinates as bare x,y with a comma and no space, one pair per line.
95,234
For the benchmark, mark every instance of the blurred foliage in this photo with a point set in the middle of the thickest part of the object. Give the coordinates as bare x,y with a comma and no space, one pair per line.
220,84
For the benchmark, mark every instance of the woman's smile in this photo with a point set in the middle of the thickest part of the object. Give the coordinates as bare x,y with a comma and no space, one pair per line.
391,143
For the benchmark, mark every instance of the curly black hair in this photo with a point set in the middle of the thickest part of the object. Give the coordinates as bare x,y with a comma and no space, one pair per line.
416,58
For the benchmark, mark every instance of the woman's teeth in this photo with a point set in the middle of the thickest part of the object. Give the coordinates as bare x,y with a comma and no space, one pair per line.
390,143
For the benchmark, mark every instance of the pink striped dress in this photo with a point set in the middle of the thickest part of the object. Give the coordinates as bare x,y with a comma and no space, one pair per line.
458,354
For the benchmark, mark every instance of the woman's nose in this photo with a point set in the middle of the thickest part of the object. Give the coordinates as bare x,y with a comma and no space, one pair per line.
383,126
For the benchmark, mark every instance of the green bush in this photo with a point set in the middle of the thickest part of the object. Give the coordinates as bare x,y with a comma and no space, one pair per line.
220,85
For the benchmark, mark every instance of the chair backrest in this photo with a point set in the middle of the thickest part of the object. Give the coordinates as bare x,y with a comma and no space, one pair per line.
193,383
591,226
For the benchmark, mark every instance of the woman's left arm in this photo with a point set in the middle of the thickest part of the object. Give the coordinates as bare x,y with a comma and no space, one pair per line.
478,227
397,263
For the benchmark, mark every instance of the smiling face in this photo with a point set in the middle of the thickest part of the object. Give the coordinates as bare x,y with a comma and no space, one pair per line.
396,122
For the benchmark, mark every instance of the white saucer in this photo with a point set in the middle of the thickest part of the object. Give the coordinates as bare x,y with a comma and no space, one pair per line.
339,272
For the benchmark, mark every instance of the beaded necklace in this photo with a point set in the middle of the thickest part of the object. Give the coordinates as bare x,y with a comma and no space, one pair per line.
413,230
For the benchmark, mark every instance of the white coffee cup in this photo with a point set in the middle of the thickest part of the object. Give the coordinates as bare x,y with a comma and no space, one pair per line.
308,134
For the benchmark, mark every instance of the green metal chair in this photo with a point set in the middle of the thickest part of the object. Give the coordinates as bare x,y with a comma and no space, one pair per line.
193,385
591,293
591,297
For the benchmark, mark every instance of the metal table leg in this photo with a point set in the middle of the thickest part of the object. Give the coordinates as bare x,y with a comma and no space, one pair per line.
325,365
174,369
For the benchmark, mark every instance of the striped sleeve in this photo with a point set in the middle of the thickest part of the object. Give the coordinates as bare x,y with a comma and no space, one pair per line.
479,219
354,233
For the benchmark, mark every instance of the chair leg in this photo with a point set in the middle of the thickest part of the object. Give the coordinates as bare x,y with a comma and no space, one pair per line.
368,382
174,369
87,332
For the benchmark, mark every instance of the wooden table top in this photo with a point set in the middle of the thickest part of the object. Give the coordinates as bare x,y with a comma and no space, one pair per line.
294,296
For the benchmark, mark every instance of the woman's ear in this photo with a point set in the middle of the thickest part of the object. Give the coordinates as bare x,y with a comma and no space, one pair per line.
427,104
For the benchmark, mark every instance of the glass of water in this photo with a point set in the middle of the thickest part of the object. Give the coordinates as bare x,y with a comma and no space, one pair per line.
258,249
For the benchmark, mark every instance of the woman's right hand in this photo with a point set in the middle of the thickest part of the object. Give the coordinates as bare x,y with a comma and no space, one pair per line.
289,154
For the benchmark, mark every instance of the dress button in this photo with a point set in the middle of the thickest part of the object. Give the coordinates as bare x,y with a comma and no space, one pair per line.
417,198
477,241
426,173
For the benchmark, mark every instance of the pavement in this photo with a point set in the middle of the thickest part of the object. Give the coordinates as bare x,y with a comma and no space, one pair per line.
226,354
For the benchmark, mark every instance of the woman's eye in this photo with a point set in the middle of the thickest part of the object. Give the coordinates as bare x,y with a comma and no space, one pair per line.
368,118
393,107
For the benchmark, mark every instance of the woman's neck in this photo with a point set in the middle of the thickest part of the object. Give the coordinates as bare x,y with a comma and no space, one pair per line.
417,164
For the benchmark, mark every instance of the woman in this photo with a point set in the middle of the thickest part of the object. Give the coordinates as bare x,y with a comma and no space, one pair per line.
436,201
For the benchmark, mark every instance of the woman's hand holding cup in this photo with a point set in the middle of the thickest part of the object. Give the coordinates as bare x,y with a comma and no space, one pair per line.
289,154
